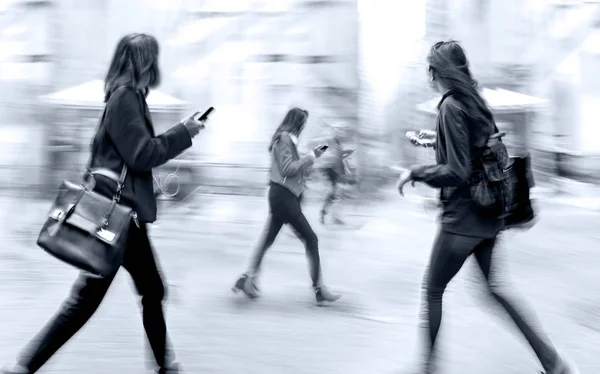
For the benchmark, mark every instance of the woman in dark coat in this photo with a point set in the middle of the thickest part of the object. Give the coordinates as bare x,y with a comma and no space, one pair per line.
464,125
125,136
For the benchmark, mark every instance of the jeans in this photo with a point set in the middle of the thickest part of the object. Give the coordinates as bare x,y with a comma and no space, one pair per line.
449,253
285,209
332,195
87,294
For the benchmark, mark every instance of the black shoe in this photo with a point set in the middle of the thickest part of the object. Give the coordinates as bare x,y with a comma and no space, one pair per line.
173,369
323,295
247,285
564,367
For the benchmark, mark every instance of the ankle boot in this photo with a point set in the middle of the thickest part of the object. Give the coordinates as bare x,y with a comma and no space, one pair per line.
172,369
323,295
247,285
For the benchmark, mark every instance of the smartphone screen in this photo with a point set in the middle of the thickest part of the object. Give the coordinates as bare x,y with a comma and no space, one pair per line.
206,114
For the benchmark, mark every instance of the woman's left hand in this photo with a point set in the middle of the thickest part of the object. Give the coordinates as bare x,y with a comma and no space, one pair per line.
405,177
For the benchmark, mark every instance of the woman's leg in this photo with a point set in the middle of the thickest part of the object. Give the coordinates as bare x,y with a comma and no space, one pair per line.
306,234
539,343
141,264
447,257
331,195
86,295
267,238
277,202
311,243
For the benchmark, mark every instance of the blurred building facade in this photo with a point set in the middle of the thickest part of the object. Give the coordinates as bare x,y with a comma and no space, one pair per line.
357,61
252,60
525,46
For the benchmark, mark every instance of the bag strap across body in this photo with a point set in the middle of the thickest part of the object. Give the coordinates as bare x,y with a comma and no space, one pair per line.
90,172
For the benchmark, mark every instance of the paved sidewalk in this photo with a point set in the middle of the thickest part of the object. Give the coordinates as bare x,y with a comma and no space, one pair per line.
377,262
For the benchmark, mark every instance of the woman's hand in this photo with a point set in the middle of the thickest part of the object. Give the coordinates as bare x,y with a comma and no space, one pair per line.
319,150
427,134
193,126
348,153
405,177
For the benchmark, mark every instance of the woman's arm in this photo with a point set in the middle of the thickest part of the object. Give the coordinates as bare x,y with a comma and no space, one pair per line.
457,169
347,152
126,126
283,153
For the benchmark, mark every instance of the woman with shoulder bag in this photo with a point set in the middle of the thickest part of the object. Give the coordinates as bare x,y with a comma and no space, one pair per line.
125,137
464,126
287,183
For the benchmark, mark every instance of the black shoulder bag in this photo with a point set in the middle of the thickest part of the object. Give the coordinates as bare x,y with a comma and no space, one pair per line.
85,229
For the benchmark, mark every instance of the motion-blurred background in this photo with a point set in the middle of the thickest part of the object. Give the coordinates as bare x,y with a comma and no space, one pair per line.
360,63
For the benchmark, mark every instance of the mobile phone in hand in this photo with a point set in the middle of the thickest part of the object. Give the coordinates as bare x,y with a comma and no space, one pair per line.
414,138
204,116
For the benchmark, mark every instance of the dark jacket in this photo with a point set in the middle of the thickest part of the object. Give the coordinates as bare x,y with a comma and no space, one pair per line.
288,168
460,143
127,135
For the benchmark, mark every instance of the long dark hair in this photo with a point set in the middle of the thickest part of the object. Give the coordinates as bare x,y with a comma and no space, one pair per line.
292,123
448,64
134,64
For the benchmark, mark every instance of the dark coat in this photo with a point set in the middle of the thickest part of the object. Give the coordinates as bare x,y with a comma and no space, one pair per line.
460,142
127,136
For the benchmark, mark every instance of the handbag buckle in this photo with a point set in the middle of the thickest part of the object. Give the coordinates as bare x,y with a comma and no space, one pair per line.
118,193
109,236
57,214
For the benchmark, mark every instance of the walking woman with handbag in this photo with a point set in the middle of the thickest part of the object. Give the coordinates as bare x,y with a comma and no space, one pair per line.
465,126
125,143
287,182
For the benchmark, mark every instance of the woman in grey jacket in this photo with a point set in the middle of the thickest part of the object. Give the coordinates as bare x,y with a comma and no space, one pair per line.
287,183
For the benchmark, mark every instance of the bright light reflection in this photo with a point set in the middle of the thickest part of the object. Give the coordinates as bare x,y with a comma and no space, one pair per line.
390,30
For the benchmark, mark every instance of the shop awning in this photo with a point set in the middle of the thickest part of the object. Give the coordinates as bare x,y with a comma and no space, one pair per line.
90,95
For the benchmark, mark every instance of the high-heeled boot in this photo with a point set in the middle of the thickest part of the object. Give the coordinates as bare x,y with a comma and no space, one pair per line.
323,294
172,369
247,285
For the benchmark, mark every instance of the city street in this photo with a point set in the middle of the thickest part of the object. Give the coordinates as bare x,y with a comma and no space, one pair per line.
377,263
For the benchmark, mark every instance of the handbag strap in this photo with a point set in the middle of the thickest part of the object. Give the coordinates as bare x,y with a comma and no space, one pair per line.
90,172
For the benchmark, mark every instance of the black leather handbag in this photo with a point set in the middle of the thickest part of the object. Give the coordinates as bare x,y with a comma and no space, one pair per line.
520,213
88,230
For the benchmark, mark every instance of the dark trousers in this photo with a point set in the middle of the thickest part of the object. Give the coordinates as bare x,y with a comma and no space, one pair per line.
285,208
332,196
449,253
87,294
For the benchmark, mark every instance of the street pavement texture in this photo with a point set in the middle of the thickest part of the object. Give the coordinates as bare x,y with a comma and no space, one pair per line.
377,262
